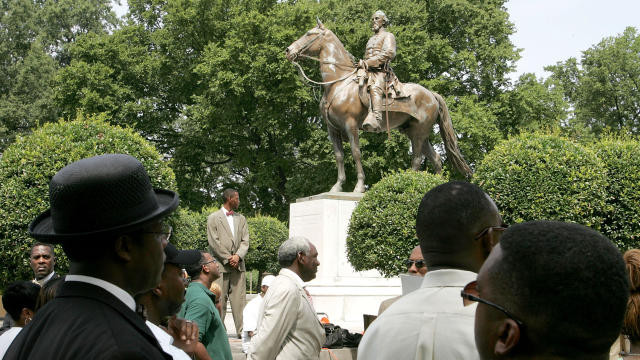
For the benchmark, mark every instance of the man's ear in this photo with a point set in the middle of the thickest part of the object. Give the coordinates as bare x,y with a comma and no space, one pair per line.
123,246
508,337
26,315
157,291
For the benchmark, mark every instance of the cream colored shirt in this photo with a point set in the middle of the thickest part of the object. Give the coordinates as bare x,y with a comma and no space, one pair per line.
429,323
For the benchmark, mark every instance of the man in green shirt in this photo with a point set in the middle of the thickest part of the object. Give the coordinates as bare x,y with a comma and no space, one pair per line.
199,308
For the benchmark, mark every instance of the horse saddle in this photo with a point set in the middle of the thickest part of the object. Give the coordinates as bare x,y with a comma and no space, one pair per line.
399,101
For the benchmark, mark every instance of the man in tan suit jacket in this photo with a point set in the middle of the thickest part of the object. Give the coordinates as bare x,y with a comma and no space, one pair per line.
228,237
288,327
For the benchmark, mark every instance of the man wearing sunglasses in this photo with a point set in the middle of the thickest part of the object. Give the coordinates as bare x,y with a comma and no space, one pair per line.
457,225
549,290
415,267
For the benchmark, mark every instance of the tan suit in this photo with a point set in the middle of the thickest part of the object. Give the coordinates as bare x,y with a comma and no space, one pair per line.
288,327
222,245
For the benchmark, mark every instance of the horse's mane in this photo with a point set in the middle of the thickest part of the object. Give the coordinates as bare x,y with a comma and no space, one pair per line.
353,58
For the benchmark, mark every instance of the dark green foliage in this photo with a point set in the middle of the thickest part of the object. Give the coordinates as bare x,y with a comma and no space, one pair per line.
265,236
382,228
189,230
621,158
28,165
545,177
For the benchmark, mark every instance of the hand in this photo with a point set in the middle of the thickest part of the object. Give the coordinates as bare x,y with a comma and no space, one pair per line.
184,333
363,64
234,261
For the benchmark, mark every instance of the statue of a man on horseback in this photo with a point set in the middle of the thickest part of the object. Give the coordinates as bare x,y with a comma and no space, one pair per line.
380,51
344,106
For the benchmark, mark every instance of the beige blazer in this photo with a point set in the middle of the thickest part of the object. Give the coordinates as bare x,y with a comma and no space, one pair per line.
221,241
288,327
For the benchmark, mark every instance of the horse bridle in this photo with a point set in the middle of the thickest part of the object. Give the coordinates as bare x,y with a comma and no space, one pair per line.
308,44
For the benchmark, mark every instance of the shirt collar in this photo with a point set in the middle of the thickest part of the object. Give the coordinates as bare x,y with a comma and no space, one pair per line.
293,275
161,335
45,279
122,295
448,277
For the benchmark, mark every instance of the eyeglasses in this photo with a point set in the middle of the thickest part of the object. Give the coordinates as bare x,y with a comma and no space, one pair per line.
165,232
419,263
491,229
209,262
470,295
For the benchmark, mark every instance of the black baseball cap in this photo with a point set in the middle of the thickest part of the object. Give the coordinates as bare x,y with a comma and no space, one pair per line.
180,257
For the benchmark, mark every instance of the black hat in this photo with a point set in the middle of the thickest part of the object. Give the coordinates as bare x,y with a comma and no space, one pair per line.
181,257
100,195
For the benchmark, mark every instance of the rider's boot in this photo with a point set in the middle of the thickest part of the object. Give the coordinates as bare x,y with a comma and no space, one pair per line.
374,118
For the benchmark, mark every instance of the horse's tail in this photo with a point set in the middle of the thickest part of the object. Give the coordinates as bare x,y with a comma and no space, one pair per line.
449,138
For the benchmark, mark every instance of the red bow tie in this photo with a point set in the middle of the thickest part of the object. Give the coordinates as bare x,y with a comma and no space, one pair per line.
229,213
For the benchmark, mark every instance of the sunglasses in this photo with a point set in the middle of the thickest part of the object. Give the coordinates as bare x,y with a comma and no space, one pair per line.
164,233
419,263
490,229
470,295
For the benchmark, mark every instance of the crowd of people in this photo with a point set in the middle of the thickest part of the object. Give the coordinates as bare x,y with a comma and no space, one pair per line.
535,290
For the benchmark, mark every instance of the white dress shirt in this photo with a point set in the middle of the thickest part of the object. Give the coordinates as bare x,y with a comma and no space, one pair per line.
166,342
250,320
229,220
7,338
116,291
429,323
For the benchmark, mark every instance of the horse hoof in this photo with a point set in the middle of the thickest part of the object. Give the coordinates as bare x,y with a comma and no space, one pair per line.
336,188
359,189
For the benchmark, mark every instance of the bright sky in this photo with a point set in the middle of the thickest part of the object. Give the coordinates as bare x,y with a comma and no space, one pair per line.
555,30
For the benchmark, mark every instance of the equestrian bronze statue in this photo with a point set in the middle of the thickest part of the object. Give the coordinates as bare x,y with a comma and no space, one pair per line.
345,103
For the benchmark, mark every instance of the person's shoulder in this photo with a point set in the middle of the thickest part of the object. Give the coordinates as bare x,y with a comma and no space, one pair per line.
214,214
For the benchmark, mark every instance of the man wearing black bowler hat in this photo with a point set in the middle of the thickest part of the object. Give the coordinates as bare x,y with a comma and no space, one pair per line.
107,217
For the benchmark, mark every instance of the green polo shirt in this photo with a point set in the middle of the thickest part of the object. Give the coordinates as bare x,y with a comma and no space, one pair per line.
198,307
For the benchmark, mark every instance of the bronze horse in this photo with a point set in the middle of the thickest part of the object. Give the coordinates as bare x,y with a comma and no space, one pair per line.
343,110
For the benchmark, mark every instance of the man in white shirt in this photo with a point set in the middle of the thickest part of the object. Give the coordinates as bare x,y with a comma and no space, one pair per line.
457,224
251,312
108,218
288,327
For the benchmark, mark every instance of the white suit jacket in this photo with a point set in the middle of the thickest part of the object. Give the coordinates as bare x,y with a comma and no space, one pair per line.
288,327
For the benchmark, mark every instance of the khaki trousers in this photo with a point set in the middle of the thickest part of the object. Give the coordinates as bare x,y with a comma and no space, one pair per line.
234,287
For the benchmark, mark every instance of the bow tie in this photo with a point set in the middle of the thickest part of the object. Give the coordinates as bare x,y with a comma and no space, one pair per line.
229,213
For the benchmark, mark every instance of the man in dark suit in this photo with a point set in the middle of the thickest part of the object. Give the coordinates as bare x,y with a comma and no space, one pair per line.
107,217
228,237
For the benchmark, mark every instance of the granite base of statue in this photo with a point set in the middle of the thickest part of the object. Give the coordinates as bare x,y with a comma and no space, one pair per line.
338,290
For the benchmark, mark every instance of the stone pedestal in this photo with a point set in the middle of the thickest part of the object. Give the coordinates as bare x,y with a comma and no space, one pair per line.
338,290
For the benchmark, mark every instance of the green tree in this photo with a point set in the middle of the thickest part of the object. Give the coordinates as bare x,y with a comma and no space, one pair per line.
621,157
382,229
28,165
604,88
536,176
207,80
265,236
34,40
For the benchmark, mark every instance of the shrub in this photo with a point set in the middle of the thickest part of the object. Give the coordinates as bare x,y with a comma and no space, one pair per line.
382,231
189,230
544,177
28,165
621,223
265,236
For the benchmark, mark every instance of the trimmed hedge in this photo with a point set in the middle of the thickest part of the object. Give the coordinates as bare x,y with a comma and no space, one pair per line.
28,165
382,231
189,229
545,177
265,236
621,224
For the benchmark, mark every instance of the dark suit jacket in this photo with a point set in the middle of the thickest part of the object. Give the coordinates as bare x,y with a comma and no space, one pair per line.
85,322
